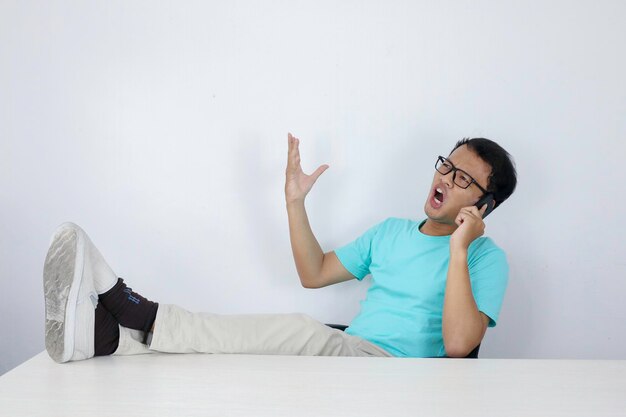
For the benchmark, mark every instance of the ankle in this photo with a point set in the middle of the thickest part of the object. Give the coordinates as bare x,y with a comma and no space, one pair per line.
106,332
129,308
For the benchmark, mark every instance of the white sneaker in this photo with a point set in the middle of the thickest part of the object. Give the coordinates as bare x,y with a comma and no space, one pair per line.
73,271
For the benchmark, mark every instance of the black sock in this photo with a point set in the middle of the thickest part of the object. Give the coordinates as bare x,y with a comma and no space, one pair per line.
106,332
129,308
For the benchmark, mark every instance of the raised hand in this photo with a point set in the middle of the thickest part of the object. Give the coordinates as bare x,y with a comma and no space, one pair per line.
471,226
298,184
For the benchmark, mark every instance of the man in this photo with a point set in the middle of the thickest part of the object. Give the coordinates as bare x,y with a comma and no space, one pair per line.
436,285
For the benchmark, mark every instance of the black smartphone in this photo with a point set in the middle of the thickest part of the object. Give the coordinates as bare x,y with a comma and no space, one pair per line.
486,199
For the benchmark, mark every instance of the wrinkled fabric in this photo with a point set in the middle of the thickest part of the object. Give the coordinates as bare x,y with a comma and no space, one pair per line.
403,310
179,331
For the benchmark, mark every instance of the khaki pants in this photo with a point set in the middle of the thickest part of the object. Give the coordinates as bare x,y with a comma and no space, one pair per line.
179,331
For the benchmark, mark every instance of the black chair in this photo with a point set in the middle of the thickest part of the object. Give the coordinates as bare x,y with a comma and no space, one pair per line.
472,355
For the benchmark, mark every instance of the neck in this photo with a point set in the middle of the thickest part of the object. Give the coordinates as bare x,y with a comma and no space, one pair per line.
433,228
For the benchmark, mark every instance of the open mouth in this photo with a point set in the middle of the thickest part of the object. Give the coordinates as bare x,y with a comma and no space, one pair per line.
438,196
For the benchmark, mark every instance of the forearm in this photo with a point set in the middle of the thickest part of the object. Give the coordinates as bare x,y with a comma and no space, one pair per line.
307,252
462,322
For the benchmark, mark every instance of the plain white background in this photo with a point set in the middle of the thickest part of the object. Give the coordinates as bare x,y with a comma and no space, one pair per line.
161,129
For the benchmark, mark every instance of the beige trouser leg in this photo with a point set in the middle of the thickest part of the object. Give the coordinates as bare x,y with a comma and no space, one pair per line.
179,331
131,343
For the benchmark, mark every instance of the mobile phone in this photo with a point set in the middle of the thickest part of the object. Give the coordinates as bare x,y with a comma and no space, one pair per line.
486,199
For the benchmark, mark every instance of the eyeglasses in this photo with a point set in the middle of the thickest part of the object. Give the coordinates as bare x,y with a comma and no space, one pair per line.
463,179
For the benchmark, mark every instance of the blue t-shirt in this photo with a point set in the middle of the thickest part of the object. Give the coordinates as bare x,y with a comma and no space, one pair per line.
403,309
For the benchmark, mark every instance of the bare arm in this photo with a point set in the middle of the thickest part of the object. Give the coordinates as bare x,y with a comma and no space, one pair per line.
464,326
315,268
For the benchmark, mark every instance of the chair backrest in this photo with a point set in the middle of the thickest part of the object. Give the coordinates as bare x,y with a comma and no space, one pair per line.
472,355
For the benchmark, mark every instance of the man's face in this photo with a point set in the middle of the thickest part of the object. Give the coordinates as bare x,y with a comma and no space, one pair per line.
454,197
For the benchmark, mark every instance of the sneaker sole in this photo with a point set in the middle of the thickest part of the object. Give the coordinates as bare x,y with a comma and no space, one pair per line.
62,278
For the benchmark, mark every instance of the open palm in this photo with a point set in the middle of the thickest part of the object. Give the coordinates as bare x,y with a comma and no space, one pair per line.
298,184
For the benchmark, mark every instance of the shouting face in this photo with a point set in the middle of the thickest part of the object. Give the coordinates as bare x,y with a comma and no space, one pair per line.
447,195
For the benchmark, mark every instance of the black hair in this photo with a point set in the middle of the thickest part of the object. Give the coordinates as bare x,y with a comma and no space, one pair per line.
503,177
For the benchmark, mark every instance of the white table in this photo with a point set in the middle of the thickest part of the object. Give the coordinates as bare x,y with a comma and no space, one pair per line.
248,385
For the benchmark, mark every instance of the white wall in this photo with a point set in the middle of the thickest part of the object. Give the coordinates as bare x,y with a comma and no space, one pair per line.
160,128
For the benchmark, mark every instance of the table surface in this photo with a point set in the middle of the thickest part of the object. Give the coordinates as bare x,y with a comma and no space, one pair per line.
253,385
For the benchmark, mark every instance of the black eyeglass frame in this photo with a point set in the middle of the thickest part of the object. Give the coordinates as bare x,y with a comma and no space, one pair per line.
454,170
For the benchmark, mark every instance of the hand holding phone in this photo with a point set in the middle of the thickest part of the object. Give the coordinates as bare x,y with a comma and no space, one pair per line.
472,228
486,199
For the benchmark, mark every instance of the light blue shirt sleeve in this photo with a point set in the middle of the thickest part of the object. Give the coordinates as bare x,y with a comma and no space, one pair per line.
356,256
489,276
